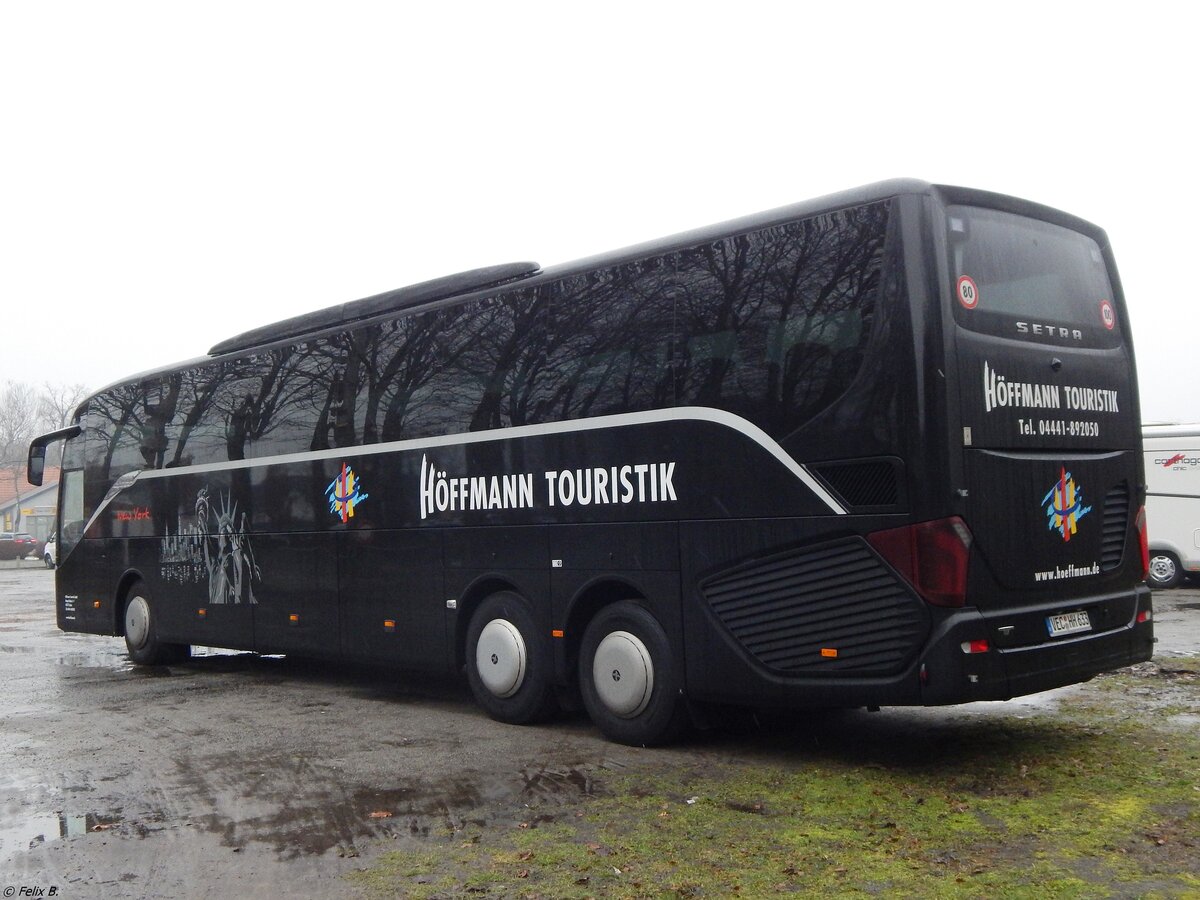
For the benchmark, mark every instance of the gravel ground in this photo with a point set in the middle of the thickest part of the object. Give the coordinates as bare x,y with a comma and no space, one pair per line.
246,774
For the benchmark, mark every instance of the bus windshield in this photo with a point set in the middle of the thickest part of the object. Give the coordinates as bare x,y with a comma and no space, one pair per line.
70,512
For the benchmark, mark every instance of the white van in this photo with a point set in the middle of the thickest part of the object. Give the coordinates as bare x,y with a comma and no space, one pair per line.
1172,501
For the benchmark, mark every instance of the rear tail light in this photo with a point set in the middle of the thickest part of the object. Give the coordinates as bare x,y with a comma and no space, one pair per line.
931,556
1143,542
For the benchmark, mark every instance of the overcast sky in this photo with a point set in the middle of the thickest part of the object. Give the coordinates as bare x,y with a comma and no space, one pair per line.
174,174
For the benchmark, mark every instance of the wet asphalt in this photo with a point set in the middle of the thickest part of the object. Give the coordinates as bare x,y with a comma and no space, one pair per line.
235,774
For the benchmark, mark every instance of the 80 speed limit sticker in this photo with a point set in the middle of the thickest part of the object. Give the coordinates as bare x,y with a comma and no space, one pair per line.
968,292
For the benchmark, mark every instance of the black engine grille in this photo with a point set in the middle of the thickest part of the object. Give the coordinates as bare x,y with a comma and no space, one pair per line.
785,609
1116,527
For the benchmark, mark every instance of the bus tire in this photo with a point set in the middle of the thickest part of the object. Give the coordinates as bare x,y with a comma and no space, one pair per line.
628,677
508,668
1165,571
141,631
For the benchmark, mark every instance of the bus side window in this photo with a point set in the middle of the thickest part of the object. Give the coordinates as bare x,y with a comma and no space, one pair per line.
407,363
501,358
120,420
395,360
611,334
280,398
159,400
196,433
775,321
462,389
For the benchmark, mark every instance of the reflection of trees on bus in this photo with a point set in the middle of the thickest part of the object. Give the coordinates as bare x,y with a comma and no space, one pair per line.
197,391
771,325
396,361
777,322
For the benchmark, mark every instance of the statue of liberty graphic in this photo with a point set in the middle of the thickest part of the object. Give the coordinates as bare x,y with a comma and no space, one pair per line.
228,555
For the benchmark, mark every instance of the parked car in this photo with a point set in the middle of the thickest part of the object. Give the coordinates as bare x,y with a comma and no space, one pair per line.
50,552
16,545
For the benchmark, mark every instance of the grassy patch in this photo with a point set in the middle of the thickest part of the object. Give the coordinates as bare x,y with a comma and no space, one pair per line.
1091,800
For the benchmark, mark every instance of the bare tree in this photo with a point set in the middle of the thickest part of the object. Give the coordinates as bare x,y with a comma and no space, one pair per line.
19,422
58,402
25,412
56,407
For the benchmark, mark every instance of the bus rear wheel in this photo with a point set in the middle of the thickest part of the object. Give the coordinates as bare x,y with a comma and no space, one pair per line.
628,678
508,668
141,632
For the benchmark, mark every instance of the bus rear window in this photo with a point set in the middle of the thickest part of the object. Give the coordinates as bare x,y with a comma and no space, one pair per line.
1024,278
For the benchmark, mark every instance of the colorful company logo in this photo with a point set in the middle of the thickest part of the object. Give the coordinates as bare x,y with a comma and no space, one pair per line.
1064,505
1167,463
344,493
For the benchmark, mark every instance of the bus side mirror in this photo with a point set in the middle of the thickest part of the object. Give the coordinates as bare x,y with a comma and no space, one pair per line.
35,468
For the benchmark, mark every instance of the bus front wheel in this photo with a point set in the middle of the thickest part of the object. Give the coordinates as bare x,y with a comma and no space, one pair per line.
141,632
508,668
628,679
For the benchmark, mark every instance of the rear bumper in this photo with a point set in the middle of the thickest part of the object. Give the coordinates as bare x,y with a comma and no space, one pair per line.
950,675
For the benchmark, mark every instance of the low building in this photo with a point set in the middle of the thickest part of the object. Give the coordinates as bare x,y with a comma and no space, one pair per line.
24,507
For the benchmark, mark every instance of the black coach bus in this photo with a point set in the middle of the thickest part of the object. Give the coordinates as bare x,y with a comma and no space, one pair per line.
881,448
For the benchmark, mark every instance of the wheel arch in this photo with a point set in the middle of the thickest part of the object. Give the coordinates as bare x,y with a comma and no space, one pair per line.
1167,547
585,605
477,591
127,580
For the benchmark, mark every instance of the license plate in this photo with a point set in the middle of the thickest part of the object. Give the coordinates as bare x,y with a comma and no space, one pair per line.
1068,623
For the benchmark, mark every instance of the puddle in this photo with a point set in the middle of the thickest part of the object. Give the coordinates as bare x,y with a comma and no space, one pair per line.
566,784
113,657
94,659
298,809
35,831
1018,707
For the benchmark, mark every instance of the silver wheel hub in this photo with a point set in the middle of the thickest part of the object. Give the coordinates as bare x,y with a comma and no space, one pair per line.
137,621
623,674
1162,568
500,658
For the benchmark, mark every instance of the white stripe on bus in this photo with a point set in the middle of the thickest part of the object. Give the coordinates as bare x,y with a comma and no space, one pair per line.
621,420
